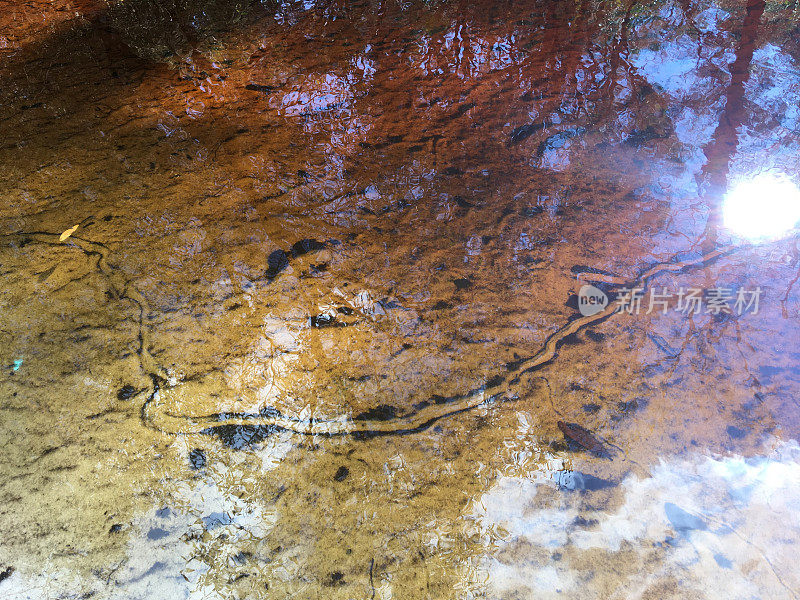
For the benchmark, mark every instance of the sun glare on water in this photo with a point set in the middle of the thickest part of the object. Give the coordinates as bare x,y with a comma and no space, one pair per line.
764,208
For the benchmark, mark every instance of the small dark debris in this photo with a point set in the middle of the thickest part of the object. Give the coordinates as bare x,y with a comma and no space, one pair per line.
632,405
639,137
591,408
595,336
6,573
337,578
390,304
532,211
157,533
524,131
441,305
345,310
453,171
462,283
126,392
736,433
257,87
238,437
341,474
324,320
197,459
115,528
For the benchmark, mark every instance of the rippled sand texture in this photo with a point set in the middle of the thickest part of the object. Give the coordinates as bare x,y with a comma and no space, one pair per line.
353,212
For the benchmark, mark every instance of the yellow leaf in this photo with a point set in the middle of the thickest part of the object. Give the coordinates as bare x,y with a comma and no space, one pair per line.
67,233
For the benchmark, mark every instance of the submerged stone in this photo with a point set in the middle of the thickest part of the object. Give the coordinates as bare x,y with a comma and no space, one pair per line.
277,261
126,392
197,459
238,437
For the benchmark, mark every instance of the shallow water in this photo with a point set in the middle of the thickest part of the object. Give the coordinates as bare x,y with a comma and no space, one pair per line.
316,333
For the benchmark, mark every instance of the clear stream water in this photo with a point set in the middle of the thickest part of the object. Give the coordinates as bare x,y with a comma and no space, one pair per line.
317,333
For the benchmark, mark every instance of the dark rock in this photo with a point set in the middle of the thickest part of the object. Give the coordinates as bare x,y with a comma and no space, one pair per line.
115,528
382,412
462,283
305,246
341,474
6,573
277,261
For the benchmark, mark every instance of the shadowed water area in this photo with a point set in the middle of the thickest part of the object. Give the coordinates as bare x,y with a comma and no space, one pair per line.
291,297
